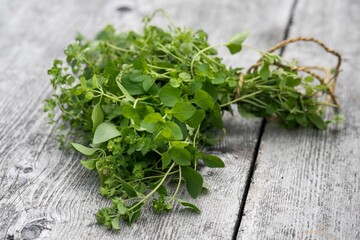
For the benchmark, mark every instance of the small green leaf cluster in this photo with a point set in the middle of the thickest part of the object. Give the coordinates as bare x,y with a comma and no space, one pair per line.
143,106
281,92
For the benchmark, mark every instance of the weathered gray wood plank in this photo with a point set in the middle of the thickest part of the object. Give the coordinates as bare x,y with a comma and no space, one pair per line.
307,183
44,192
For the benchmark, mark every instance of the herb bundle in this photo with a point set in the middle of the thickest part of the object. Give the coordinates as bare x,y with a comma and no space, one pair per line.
142,107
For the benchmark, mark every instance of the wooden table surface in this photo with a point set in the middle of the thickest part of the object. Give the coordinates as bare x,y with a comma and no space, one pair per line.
277,184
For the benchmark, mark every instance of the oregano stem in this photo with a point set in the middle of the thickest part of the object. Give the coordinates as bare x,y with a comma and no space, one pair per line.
178,185
151,177
196,135
154,190
198,54
240,98
117,48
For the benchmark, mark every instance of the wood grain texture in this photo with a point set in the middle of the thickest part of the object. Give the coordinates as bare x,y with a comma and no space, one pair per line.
307,183
44,192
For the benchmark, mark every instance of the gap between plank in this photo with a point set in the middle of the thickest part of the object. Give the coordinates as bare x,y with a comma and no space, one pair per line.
261,133
248,179
289,25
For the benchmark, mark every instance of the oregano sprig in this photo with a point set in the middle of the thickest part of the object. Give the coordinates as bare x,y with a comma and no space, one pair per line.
142,107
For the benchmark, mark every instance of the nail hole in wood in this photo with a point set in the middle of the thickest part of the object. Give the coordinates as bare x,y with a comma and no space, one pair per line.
28,170
10,237
33,229
124,9
31,232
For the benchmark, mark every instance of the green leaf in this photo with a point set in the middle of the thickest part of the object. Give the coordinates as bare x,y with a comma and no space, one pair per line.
183,111
219,78
114,112
194,181
196,119
175,82
194,86
271,58
293,82
165,159
89,96
104,132
317,121
235,43
130,88
121,207
97,116
129,112
115,223
137,77
265,72
153,118
203,70
162,191
186,48
309,79
301,119
185,76
180,155
148,82
216,117
150,121
245,113
179,144
189,205
124,91
128,189
134,216
271,108
140,63
212,161
89,164
210,89
203,100
321,87
169,95
172,131
84,150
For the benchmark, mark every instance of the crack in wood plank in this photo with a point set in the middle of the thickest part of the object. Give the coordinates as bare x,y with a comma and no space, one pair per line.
261,132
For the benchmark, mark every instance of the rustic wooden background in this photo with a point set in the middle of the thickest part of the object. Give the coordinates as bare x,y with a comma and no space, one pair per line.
278,184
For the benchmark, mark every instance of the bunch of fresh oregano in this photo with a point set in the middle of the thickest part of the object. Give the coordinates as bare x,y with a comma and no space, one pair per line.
143,106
